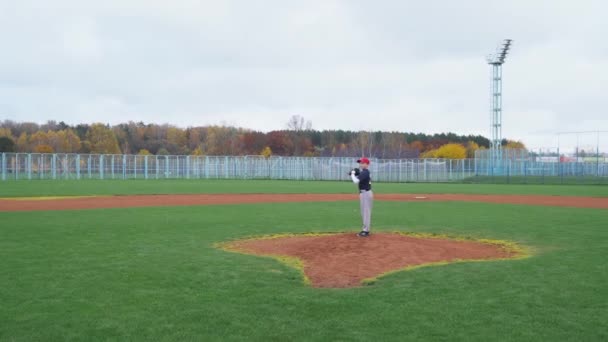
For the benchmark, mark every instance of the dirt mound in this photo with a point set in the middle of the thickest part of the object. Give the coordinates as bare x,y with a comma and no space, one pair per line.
345,260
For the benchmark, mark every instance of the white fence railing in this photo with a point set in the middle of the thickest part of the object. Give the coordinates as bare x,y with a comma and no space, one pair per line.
25,166
30,166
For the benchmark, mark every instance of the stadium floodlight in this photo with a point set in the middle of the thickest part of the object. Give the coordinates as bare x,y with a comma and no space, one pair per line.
496,60
501,53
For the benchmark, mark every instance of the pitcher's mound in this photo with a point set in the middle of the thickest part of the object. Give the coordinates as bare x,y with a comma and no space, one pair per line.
345,260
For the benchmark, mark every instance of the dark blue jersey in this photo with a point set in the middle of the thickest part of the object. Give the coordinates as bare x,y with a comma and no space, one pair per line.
365,180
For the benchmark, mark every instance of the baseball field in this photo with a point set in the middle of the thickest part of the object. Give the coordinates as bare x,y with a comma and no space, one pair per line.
143,260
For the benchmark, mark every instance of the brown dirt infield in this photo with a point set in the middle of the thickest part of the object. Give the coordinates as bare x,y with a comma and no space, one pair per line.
345,260
205,199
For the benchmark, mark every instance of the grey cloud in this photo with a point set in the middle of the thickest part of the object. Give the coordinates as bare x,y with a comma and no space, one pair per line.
402,65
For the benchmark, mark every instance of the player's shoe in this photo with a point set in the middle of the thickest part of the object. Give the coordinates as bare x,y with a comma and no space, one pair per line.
363,234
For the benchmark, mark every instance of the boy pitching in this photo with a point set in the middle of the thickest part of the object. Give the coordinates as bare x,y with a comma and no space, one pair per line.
366,196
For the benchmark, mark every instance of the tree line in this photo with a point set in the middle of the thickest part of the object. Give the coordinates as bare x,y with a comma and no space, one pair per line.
297,139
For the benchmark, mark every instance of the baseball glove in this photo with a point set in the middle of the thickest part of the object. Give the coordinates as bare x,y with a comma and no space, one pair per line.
357,171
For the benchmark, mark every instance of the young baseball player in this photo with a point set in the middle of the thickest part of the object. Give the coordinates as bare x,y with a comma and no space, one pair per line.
366,196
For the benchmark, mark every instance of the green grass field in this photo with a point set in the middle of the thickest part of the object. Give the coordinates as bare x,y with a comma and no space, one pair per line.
549,180
132,187
153,274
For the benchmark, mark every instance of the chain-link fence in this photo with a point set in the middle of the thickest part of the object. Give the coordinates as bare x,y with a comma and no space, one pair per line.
26,166
18,166
523,166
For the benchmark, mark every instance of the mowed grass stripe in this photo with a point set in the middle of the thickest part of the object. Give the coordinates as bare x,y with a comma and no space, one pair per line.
38,188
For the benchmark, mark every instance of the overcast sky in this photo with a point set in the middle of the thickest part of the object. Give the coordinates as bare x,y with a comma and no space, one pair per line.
373,65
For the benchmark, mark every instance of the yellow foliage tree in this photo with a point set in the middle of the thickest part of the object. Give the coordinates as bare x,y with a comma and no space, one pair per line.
447,151
451,151
71,141
428,154
176,136
43,149
144,152
6,132
23,143
266,152
198,151
471,148
39,139
515,144
102,139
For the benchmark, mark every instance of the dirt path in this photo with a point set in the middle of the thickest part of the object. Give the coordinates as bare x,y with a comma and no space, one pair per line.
183,200
345,260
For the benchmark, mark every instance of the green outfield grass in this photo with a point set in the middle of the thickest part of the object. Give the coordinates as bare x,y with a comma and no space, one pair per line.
131,187
153,274
545,180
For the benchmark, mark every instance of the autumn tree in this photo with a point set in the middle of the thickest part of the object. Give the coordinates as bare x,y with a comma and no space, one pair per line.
7,144
447,151
296,126
121,132
279,143
176,140
70,141
102,139
222,140
266,152
43,149
6,132
471,147
298,123
23,143
297,139
515,144
362,144
198,151
195,137
418,146
253,142
39,142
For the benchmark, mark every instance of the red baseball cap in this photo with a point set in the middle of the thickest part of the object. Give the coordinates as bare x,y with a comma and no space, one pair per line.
363,161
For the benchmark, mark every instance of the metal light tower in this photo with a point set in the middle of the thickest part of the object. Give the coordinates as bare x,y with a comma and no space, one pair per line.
496,60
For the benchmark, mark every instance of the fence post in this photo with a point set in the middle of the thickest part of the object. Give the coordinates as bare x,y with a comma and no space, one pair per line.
226,167
424,168
3,166
166,166
400,170
146,166
450,172
101,166
40,166
124,166
29,166
463,168
54,166
217,167
188,167
134,165
177,169
542,170
206,167
78,166
157,166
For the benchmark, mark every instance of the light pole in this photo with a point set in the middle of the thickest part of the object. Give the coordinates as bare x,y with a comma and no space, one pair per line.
496,60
